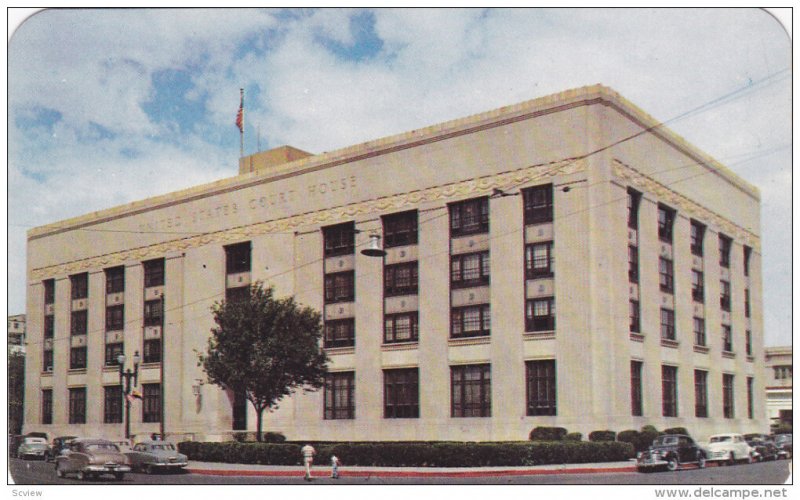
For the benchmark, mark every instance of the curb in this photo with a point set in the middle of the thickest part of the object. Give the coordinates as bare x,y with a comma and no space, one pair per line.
407,474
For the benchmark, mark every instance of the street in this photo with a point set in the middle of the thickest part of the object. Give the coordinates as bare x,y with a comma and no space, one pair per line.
767,473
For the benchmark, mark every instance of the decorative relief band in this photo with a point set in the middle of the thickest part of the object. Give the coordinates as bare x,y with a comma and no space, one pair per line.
684,204
483,185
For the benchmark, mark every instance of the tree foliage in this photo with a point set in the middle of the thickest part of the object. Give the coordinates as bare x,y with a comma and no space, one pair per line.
16,391
266,348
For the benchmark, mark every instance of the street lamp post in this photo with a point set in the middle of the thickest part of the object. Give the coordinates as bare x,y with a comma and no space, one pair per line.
127,375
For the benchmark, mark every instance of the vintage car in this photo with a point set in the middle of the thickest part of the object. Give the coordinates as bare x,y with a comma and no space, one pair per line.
89,458
58,445
149,456
669,452
728,449
763,447
32,447
784,444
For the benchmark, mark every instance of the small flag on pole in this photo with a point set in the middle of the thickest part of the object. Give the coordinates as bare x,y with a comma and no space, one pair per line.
240,113
134,395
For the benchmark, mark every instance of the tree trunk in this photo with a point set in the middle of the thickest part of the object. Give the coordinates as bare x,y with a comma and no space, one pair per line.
259,413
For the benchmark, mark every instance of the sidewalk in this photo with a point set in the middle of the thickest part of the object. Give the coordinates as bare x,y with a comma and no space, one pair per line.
223,469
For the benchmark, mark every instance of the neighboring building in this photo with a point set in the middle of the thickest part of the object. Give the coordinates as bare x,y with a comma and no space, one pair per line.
16,333
779,384
566,261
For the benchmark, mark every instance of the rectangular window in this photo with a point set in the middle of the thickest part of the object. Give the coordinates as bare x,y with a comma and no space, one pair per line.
540,377
469,270
469,217
152,351
400,229
340,333
747,253
698,294
78,323
77,358
153,312
471,391
538,204
727,338
112,409
669,391
77,405
237,294
634,198
115,318
699,331
340,287
340,239
666,219
667,324
539,261
401,279
47,406
633,264
49,291
746,302
403,327
47,360
153,272
636,389
401,393
112,353
782,372
666,279
750,398
340,390
635,318
115,279
151,402
237,258
748,342
540,315
697,232
724,251
724,295
700,394
472,321
727,395
79,286
49,326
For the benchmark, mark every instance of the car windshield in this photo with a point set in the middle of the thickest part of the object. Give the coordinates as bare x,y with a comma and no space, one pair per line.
165,446
719,439
669,440
102,447
784,438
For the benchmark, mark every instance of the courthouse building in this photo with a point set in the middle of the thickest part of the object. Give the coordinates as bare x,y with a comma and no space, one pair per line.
565,261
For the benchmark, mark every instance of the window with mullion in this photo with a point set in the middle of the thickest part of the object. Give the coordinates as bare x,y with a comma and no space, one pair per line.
699,331
112,352
340,333
724,251
666,276
750,398
539,262
727,395
115,279
49,326
238,258
340,287
469,217
49,291
115,318
112,408
340,396
401,327
471,391
339,239
633,264
748,342
401,393
636,389
669,391
538,204
634,197
666,219
470,269
47,360
541,387
667,324
153,272
400,229
696,238
747,253
725,295
151,351
78,323
47,406
401,279
151,402
700,394
77,358
698,294
79,286
727,338
77,405
540,315
153,312
470,321
239,294
746,302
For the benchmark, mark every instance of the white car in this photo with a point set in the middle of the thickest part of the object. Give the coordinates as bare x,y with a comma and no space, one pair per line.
728,448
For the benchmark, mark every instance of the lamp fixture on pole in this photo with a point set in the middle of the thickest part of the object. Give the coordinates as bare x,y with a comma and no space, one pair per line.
126,375
374,249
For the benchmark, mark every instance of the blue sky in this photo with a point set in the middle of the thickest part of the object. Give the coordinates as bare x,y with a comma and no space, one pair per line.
111,106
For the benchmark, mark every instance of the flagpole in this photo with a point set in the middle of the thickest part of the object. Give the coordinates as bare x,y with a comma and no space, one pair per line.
241,128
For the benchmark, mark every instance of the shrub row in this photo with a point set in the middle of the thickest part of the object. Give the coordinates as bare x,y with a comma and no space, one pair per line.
416,454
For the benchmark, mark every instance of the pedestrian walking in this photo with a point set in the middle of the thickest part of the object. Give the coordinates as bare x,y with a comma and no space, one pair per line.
334,467
308,453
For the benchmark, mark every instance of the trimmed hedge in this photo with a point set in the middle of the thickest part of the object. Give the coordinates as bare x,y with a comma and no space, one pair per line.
414,454
676,430
573,436
547,434
597,436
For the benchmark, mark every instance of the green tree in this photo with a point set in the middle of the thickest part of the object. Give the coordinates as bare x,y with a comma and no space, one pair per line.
16,391
266,348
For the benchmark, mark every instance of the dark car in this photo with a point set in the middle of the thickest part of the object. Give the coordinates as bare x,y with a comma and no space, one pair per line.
58,445
763,448
88,458
669,452
784,444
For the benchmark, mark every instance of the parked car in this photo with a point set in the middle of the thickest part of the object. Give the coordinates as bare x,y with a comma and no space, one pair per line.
88,458
149,456
59,444
784,444
13,444
669,452
32,447
728,448
762,446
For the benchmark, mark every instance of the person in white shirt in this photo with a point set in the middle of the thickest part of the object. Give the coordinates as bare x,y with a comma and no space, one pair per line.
308,453
334,467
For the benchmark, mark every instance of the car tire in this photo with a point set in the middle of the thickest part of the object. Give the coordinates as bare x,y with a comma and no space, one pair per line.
148,469
119,476
81,475
701,461
59,471
731,459
749,458
673,464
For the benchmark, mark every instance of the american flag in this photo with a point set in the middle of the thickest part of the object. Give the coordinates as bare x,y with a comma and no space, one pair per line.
240,114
